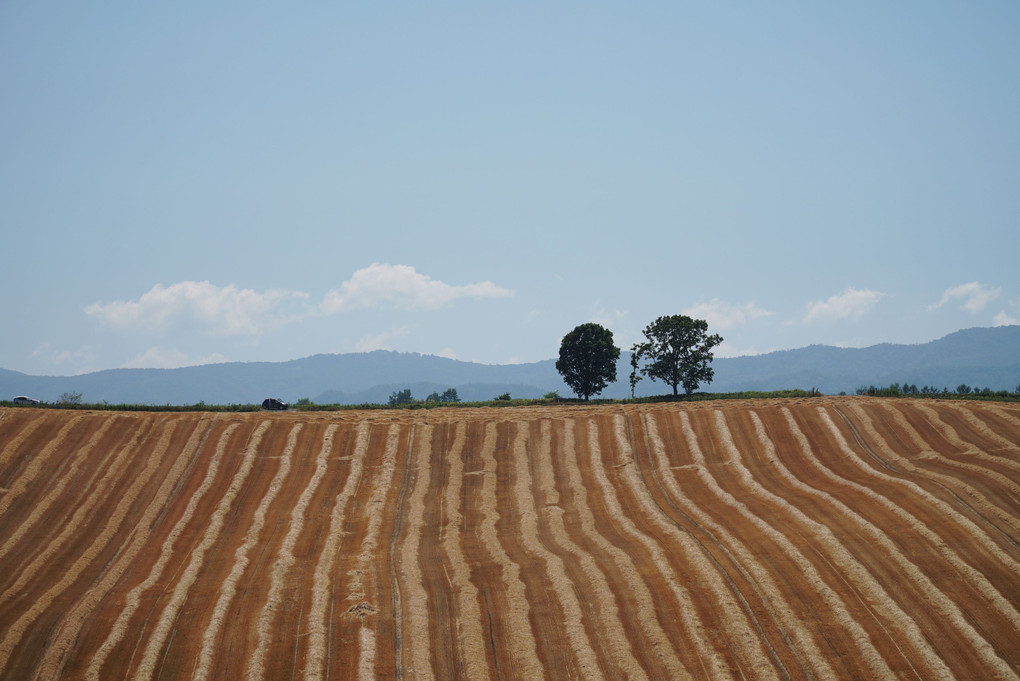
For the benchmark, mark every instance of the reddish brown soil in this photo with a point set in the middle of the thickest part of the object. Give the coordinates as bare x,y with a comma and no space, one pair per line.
850,538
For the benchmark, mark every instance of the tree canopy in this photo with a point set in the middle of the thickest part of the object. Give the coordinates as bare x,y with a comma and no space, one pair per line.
587,359
678,350
401,397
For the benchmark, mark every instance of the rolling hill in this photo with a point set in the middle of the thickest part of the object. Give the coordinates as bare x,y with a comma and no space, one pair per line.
822,538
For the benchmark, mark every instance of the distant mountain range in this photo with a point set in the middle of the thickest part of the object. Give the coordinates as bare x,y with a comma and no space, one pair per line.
979,357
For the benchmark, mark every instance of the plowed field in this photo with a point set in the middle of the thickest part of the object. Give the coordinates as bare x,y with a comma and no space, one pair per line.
826,538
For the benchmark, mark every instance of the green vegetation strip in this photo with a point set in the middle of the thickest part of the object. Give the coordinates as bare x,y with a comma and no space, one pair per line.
987,396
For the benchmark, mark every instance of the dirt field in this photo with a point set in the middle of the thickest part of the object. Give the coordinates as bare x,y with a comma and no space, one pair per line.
825,538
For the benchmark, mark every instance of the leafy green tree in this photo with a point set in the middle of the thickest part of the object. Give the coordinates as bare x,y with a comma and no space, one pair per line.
505,397
402,397
433,397
588,359
678,350
449,395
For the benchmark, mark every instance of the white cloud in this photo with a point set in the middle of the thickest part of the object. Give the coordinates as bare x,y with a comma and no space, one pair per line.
1005,319
1011,318
975,296
726,349
381,341
401,286
162,358
448,353
222,310
850,304
721,315
607,317
81,361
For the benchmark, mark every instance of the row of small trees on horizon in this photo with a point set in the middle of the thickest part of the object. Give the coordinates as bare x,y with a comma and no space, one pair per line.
677,350
895,390
449,396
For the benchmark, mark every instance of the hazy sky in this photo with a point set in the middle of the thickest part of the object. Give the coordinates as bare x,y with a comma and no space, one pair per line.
212,181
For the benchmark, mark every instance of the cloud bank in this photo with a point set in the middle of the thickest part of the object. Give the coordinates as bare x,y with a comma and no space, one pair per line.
974,295
232,311
219,310
721,315
403,287
852,303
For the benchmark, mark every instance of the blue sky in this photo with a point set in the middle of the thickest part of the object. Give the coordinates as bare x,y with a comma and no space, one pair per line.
196,182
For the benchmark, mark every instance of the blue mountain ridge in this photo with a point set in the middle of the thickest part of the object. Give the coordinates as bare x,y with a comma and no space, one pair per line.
979,357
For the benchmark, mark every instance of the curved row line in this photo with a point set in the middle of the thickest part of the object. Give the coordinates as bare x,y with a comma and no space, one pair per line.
43,551
987,505
319,628
87,558
748,648
120,627
286,559
39,463
877,599
470,638
43,506
51,666
419,664
978,534
228,589
13,444
524,654
154,648
946,608
610,616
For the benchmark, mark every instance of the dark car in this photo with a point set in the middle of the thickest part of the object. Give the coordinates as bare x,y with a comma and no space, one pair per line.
275,404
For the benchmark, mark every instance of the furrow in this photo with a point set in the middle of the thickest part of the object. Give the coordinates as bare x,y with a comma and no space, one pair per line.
1010,418
878,597
772,597
749,650
555,571
120,626
954,438
70,629
521,636
42,508
972,494
969,415
93,491
203,668
11,446
38,463
361,584
661,646
286,559
944,606
95,547
419,664
322,589
154,650
363,587
979,535
470,638
876,664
